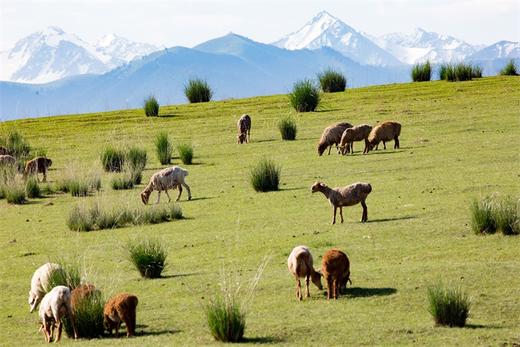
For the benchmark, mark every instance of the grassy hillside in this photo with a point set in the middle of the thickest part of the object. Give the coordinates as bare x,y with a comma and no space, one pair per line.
459,141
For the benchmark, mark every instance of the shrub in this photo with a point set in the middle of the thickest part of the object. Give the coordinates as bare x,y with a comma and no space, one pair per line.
80,219
507,217
69,275
510,69
287,127
124,181
226,320
88,314
443,72
476,71
332,81
265,176
482,217
14,193
459,72
148,256
16,145
448,306
112,159
198,90
32,189
495,213
151,107
78,188
136,158
305,96
422,72
185,152
163,148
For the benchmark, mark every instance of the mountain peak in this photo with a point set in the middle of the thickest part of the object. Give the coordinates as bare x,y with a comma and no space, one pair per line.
323,16
53,30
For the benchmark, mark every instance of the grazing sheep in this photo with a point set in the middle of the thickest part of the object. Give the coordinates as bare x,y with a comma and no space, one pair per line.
80,293
357,133
7,160
332,136
335,268
36,166
385,131
55,306
120,308
345,196
40,283
169,178
300,264
4,151
244,129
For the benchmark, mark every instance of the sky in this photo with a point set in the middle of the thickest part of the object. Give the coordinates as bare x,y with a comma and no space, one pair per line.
189,22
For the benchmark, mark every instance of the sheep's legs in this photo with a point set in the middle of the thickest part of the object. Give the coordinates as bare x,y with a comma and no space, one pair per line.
307,287
365,151
396,144
60,328
336,288
158,197
329,287
180,192
188,189
168,195
384,144
341,213
364,217
298,288
334,219
330,147
352,148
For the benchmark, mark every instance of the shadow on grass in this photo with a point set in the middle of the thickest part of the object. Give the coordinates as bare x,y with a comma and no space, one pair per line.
321,110
202,198
390,219
182,275
265,140
168,115
293,188
367,292
262,340
482,326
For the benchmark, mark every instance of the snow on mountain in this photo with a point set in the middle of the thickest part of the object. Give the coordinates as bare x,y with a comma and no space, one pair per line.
421,45
499,50
122,50
325,30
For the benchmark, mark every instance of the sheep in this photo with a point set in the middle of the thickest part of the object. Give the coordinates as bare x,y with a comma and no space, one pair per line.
244,129
357,133
385,131
345,196
300,264
7,160
80,293
335,268
55,306
36,166
120,308
40,283
331,136
4,151
169,178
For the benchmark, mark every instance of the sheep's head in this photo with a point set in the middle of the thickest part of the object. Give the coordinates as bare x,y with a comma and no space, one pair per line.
317,187
48,162
241,138
321,148
32,300
145,195
316,279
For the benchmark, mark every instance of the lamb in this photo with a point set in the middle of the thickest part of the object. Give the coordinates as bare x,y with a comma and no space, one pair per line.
7,160
357,133
385,131
345,196
169,178
331,136
335,267
55,306
40,283
244,129
300,264
120,308
36,166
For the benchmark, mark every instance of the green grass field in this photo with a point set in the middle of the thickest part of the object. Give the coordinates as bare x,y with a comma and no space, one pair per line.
459,141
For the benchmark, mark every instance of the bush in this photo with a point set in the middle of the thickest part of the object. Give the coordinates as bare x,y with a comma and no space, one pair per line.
69,275
493,213
507,217
265,176
112,159
422,72
332,81
448,306
32,189
186,153
89,317
443,72
510,69
459,72
136,158
148,256
151,107
14,193
476,71
16,145
124,181
305,96
226,320
163,148
198,90
80,219
287,127
78,188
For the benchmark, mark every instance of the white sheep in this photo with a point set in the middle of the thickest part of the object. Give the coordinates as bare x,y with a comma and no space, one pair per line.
169,178
300,264
345,196
55,306
40,283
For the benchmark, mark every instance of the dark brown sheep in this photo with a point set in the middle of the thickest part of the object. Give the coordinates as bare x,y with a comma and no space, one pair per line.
36,166
121,308
357,133
332,136
244,129
386,131
335,268
7,160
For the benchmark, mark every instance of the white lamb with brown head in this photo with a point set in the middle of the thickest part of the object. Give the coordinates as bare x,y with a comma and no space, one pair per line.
169,178
332,136
300,265
350,135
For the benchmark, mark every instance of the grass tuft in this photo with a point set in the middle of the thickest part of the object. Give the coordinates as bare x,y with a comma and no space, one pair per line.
112,159
185,153
495,213
448,306
123,181
16,145
88,314
32,189
151,107
14,192
198,90
422,72
163,148
305,96
69,275
265,176
148,256
459,72
226,319
287,127
332,81
510,69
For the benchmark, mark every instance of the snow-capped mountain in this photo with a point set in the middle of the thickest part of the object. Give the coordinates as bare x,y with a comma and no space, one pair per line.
53,54
325,30
421,45
499,50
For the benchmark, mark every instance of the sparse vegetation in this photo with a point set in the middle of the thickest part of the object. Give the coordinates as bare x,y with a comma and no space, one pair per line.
15,193
164,148
305,96
148,256
332,81
422,72
185,153
495,213
198,90
288,129
265,176
151,107
16,144
510,69
113,159
448,306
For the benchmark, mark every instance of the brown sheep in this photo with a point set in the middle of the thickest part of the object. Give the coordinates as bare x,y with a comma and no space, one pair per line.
7,160
300,264
80,293
120,308
385,131
244,129
36,166
332,136
335,268
345,196
357,133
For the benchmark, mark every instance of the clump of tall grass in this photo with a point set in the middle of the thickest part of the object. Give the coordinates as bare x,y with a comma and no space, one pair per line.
476,71
510,69
112,159
88,315
459,72
136,159
185,153
78,181
288,129
151,107
198,90
16,144
332,81
32,189
68,274
305,96
422,72
495,213
265,176
123,181
448,306
13,189
148,257
163,148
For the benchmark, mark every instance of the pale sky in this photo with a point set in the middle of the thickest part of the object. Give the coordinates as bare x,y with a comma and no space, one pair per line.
189,22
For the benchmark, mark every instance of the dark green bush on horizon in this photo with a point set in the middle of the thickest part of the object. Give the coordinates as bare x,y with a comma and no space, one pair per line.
265,176
510,69
422,72
332,81
288,129
151,107
305,96
198,90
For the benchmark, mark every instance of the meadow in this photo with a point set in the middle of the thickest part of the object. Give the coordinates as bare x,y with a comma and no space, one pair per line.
459,141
